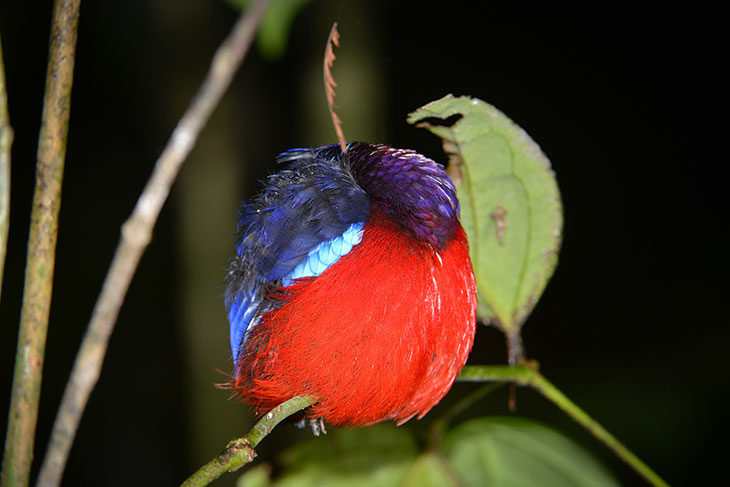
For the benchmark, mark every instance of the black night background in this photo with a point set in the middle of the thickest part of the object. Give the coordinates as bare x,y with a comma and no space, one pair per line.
627,99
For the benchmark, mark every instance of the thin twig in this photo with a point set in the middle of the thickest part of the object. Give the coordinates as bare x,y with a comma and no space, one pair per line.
526,376
41,257
438,427
240,451
136,235
6,141
330,84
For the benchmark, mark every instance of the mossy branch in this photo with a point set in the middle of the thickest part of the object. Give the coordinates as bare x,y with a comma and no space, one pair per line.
136,235
529,376
240,451
41,257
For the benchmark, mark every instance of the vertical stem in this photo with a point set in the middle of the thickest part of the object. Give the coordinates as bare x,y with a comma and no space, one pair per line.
515,347
6,141
515,355
41,256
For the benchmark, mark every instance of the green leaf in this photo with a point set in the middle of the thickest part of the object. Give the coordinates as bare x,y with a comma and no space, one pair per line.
381,455
273,34
517,452
510,205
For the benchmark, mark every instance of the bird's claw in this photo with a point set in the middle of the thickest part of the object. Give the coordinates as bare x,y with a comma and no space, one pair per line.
317,425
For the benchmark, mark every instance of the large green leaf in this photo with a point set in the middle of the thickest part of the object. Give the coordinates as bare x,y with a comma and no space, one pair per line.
510,204
515,452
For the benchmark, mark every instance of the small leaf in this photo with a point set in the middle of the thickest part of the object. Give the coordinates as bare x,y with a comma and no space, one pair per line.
273,35
510,205
520,453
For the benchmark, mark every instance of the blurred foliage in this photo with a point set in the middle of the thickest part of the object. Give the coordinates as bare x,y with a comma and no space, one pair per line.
485,452
273,35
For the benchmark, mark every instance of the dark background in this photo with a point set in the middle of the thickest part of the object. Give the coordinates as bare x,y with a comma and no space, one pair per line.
629,101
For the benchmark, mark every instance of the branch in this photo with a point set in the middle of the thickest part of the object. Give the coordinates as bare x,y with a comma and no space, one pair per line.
6,141
240,451
136,235
41,258
526,376
330,84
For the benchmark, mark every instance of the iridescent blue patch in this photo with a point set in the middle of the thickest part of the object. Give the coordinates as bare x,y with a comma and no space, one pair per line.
325,254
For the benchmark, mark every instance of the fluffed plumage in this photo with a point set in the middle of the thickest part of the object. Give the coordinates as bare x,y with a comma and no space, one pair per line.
352,283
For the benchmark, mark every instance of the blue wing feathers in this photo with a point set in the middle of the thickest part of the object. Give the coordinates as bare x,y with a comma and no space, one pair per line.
325,254
241,311
307,216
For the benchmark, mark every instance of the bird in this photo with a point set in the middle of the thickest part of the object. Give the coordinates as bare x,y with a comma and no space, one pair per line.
351,284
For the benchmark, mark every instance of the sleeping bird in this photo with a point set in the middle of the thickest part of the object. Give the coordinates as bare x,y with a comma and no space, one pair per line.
352,285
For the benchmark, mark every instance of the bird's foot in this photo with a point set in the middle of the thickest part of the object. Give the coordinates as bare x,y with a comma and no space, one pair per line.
317,425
